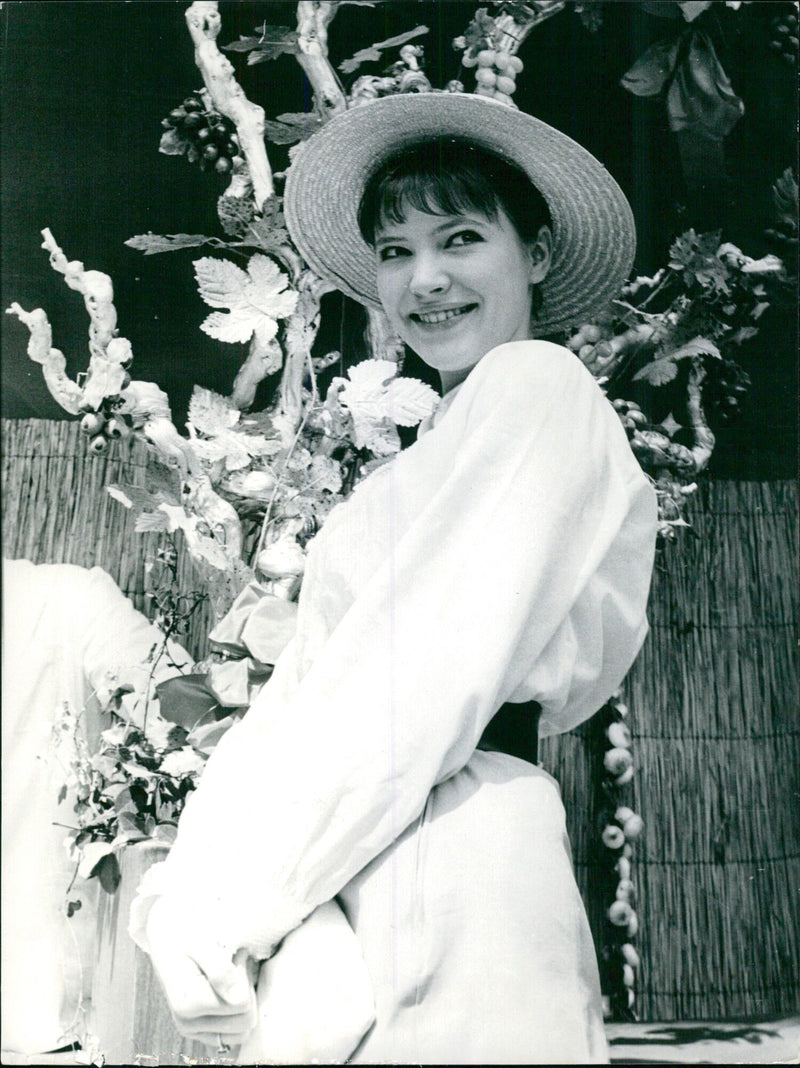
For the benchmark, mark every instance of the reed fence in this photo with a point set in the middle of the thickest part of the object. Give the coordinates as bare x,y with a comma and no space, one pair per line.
714,712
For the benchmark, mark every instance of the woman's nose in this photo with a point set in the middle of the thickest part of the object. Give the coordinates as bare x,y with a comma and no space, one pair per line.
428,275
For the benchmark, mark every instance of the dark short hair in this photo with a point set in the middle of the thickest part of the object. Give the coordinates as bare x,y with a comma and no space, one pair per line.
448,176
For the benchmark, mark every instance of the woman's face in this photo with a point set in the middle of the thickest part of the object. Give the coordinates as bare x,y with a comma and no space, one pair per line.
455,286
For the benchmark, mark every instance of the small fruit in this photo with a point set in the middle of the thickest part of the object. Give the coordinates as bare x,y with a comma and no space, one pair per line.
98,445
516,64
613,837
115,428
620,913
468,61
623,813
506,84
625,890
504,98
92,423
633,827
223,165
487,57
619,735
617,761
211,153
629,955
486,77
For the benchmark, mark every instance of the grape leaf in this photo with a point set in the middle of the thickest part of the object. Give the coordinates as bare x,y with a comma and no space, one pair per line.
151,244
173,143
658,373
271,42
211,413
292,127
698,346
255,298
373,53
150,522
409,401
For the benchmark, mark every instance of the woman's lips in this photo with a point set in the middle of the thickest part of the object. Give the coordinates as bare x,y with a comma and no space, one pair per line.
441,317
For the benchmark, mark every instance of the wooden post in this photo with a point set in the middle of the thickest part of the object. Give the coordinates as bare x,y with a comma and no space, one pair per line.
129,1014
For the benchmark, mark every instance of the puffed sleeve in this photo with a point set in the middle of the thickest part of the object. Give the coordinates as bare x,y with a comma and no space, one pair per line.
523,574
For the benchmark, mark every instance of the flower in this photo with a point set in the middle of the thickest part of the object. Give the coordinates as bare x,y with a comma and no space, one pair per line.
633,924
628,977
625,890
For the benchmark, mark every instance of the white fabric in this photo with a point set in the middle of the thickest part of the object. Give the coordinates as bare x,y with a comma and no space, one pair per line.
506,556
64,628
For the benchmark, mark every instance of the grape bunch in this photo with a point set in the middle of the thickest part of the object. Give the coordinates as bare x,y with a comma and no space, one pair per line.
210,137
724,387
783,29
496,74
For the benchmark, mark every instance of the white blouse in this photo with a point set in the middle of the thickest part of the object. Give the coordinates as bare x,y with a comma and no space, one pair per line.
506,556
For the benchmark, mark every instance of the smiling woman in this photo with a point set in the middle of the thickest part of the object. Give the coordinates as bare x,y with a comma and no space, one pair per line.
462,242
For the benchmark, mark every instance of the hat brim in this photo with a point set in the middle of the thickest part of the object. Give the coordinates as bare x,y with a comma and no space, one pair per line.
594,237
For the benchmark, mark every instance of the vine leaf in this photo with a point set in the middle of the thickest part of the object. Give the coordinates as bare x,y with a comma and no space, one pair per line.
292,126
151,244
255,299
373,53
665,368
270,42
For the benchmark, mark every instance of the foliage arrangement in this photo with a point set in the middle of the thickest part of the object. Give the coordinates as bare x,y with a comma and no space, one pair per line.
249,489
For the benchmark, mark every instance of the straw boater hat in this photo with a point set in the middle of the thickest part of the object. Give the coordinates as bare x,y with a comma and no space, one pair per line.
593,229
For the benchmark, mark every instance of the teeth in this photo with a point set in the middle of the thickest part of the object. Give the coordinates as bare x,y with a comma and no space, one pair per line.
441,316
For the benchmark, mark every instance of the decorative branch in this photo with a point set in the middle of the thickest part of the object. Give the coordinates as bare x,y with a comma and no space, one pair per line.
313,19
301,330
383,343
228,97
97,291
54,366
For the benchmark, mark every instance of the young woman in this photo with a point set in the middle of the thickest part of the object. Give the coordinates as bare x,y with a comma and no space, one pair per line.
497,568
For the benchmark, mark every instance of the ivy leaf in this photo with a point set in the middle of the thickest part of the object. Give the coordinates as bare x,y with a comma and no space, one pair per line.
665,369
62,794
692,8
293,126
255,298
109,874
72,908
91,855
151,244
373,53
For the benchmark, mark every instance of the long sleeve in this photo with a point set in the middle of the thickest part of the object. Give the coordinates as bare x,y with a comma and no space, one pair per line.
520,536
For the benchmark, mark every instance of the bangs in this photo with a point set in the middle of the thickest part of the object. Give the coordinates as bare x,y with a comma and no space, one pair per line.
446,176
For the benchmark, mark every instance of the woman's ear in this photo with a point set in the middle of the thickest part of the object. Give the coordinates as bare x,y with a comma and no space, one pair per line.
541,253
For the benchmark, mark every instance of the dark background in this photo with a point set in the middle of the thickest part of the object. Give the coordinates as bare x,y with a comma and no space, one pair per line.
86,84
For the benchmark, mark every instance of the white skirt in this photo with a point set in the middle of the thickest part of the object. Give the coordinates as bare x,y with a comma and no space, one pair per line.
473,930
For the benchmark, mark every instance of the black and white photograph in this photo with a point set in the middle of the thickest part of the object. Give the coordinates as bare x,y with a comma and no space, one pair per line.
400,532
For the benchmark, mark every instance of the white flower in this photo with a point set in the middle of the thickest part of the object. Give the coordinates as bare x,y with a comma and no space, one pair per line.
633,827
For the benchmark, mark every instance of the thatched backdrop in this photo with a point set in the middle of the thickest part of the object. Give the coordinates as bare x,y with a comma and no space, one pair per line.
714,709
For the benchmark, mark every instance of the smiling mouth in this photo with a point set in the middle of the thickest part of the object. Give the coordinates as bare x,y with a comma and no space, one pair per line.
436,318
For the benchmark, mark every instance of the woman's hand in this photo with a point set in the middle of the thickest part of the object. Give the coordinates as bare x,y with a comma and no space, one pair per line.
211,993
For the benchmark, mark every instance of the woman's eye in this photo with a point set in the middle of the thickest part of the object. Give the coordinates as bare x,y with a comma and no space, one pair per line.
391,252
463,237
